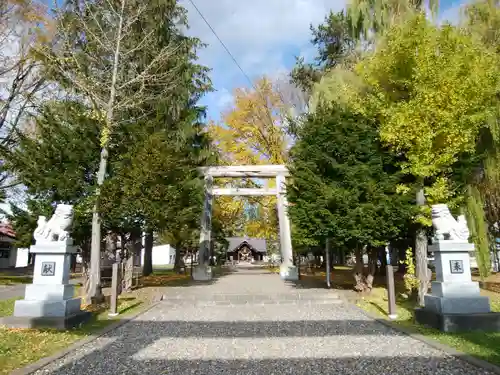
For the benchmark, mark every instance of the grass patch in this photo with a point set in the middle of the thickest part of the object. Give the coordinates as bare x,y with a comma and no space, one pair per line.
164,267
7,306
484,345
20,347
273,269
165,277
13,280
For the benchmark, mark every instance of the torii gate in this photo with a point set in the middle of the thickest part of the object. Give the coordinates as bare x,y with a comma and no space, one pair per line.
287,270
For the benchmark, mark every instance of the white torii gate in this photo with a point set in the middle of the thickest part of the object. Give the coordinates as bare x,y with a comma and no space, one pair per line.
287,270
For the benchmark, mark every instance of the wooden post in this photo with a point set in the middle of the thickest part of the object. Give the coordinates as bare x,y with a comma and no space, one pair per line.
113,308
327,261
391,292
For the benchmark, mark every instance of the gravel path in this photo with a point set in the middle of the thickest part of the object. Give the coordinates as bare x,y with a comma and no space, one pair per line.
17,290
245,323
11,291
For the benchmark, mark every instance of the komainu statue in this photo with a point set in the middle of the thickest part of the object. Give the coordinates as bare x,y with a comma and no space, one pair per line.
445,225
58,227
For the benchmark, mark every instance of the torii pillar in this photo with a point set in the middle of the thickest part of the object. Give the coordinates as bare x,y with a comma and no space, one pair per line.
203,271
287,269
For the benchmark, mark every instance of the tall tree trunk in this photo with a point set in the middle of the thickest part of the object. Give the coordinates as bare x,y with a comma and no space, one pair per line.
95,257
478,227
95,288
87,298
382,256
358,270
178,258
134,246
421,267
147,267
372,268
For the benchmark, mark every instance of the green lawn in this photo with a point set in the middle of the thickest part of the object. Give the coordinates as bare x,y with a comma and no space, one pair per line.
12,280
484,345
20,347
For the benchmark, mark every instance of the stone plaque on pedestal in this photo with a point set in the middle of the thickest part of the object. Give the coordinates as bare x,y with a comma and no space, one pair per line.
50,300
455,303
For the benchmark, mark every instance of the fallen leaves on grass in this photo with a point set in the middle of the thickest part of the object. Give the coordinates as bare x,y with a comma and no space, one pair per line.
485,345
273,269
14,280
164,279
20,347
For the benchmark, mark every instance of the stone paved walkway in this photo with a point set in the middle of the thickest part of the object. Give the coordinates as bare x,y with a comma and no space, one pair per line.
11,291
17,290
250,322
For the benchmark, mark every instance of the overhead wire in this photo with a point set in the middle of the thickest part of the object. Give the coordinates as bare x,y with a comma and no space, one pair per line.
268,112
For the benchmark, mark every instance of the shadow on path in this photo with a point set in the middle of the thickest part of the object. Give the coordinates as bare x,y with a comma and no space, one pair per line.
260,347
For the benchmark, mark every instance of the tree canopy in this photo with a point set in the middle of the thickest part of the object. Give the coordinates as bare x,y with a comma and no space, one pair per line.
137,113
344,182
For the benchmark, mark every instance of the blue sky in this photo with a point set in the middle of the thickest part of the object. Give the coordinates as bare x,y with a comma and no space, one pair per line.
263,36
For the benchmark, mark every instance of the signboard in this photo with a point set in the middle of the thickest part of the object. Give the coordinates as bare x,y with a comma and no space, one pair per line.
456,266
48,268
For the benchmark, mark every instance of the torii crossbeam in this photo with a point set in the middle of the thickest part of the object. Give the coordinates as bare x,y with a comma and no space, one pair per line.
287,270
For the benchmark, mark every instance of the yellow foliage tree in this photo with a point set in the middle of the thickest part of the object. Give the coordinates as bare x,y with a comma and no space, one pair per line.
252,132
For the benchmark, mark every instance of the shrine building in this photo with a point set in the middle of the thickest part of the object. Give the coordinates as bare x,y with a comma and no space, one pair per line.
244,249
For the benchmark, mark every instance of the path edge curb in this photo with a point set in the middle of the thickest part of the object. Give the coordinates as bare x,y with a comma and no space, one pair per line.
477,362
41,363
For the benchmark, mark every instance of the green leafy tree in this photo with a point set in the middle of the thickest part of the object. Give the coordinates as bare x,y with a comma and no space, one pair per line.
370,18
55,160
335,47
119,58
24,221
482,20
54,157
433,107
344,185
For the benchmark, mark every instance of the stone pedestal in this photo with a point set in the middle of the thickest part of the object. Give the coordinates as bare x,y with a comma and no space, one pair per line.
49,302
455,303
289,272
202,273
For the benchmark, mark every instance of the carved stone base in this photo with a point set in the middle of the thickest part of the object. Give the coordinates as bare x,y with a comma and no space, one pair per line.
489,322
47,308
49,292
457,305
289,272
202,273
60,323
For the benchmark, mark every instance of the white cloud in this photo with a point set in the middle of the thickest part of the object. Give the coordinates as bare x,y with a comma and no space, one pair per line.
453,13
263,36
225,98
254,29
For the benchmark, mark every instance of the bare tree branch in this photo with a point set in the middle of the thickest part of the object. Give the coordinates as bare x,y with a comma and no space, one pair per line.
99,58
